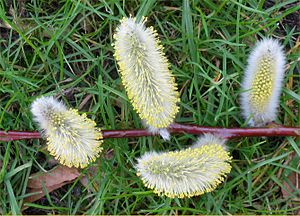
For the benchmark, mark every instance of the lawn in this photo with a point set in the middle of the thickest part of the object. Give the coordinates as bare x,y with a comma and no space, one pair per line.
63,48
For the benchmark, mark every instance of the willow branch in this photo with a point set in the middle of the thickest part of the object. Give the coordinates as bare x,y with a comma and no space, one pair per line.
228,133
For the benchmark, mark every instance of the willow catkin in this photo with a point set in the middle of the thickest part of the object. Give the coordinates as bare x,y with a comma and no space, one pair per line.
262,82
72,138
185,173
145,74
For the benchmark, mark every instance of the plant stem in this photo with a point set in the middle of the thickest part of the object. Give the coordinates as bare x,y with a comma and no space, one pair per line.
227,133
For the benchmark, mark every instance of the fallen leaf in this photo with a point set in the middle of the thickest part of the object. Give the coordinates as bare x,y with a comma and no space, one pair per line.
292,182
52,180
293,179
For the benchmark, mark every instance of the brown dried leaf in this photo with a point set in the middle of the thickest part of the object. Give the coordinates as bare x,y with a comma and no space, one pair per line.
291,183
293,180
52,180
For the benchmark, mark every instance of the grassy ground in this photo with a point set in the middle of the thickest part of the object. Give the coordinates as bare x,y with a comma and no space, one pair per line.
63,48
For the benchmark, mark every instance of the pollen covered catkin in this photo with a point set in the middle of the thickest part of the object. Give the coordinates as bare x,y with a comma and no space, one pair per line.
145,74
262,82
72,138
186,173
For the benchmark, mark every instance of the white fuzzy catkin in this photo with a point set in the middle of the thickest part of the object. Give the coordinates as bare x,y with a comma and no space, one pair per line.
163,132
145,74
72,138
262,82
185,173
208,139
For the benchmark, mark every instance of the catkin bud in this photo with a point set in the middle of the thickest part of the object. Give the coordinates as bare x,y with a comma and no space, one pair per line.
262,82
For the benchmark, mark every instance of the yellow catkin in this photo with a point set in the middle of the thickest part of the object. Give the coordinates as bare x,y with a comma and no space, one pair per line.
186,173
145,73
72,139
262,82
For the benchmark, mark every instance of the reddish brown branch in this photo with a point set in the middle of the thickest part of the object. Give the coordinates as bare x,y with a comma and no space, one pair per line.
18,135
228,133
276,130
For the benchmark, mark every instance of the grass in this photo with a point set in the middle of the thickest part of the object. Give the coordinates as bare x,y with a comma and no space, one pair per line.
63,48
